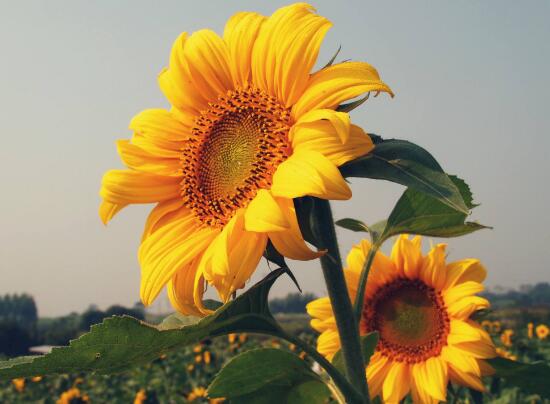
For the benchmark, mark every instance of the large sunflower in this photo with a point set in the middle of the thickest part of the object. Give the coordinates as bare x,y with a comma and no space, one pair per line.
421,308
249,129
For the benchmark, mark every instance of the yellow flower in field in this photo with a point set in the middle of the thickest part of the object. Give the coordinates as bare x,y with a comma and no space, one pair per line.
19,384
207,357
530,330
250,129
506,337
243,337
421,308
198,392
36,379
487,325
506,354
141,396
231,338
190,367
496,327
198,358
542,331
73,396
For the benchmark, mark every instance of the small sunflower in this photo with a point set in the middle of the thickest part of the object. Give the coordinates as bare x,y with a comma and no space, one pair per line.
250,129
421,308
542,331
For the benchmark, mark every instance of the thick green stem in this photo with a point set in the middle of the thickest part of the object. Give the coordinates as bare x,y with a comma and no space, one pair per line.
338,293
360,296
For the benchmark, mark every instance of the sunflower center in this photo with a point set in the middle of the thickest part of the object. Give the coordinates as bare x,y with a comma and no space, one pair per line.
410,318
235,147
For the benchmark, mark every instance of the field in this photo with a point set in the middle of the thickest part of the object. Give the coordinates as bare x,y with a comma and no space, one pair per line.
183,376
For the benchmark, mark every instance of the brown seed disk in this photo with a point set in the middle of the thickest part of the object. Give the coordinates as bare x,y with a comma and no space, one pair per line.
411,319
234,149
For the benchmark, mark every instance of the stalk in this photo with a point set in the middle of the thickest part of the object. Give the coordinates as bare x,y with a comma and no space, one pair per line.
348,329
360,297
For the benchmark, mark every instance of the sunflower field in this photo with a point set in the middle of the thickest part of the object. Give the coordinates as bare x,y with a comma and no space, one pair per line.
243,165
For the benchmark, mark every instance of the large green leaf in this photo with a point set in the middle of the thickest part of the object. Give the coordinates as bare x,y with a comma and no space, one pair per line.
368,346
122,342
407,164
418,213
532,378
268,375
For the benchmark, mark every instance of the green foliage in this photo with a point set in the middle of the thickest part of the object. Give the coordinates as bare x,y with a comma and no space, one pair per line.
407,164
121,342
368,345
419,213
532,378
268,376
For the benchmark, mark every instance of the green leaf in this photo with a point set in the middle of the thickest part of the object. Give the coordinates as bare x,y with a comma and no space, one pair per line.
530,377
352,105
305,214
122,342
407,164
352,224
418,213
268,375
368,346
177,320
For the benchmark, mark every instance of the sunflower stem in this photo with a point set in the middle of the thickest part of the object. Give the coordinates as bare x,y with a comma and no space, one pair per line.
360,297
348,329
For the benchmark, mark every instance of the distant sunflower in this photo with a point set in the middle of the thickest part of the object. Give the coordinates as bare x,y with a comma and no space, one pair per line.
250,129
421,308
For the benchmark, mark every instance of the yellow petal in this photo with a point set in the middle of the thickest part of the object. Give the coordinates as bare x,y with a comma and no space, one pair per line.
461,291
463,271
335,84
466,379
340,122
419,392
377,370
232,258
320,136
320,308
108,210
328,343
207,58
169,249
286,49
141,160
240,34
159,133
290,242
397,383
407,256
465,307
181,287
162,214
263,214
433,377
124,187
433,271
460,362
309,173
177,83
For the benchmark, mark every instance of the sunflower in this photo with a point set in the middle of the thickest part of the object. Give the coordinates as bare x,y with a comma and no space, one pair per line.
542,331
421,307
249,129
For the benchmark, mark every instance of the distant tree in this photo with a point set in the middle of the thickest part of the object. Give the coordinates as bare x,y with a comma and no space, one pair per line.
14,339
19,309
292,303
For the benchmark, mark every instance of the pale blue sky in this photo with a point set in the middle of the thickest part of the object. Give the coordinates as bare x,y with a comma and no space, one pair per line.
471,82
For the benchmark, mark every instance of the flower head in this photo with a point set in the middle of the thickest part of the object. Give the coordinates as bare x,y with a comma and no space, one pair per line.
250,129
73,396
19,384
140,397
542,331
421,307
506,337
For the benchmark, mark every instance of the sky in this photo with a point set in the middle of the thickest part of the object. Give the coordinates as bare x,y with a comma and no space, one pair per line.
471,83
